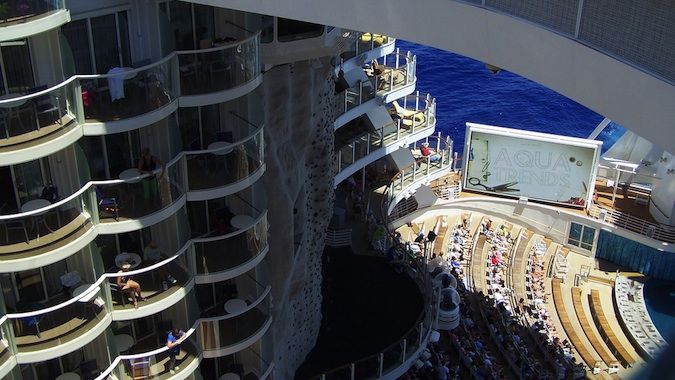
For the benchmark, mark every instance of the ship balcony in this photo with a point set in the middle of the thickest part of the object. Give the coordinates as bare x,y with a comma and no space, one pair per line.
233,332
21,19
227,167
122,100
394,77
247,364
221,73
372,86
223,257
137,200
163,284
397,126
41,123
365,48
421,171
48,233
155,364
41,331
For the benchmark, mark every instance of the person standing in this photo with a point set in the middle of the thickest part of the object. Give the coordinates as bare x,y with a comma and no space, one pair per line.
147,164
173,341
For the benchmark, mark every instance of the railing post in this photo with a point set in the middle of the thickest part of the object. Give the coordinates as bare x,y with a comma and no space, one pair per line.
398,129
351,369
354,151
420,335
381,364
405,348
367,150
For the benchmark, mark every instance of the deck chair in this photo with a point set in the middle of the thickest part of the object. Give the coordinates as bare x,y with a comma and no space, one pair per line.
107,205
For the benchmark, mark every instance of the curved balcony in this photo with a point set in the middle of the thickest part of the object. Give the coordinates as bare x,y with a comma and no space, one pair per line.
34,334
223,257
155,364
225,335
227,168
40,123
162,285
424,170
50,232
47,121
366,47
30,17
126,98
401,126
219,74
139,200
386,82
395,77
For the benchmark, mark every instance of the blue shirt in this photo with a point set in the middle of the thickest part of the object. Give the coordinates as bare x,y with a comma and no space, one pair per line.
172,339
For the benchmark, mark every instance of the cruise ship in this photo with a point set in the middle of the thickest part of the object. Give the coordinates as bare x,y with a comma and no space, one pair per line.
173,171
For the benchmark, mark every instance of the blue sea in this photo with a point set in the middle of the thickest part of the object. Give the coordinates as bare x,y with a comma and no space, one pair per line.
466,91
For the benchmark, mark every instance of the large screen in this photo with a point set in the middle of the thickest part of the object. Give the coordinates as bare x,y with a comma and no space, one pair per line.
539,166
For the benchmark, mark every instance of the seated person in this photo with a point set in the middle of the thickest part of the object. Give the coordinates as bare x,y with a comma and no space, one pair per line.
128,285
153,254
427,152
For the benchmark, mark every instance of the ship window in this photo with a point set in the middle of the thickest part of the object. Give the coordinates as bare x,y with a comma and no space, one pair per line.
292,30
581,236
16,75
99,43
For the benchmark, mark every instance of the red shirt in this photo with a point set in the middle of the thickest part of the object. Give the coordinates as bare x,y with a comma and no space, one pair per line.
425,151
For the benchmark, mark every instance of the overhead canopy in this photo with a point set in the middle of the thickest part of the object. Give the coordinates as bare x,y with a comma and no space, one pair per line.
402,158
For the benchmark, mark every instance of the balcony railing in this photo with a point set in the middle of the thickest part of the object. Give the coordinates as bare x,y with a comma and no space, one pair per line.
633,224
219,68
220,254
61,324
417,114
364,43
134,197
128,92
226,164
15,12
222,334
395,356
423,169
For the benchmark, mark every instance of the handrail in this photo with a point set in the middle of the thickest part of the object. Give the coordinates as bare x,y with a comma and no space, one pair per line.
231,234
661,232
267,291
106,276
89,184
132,71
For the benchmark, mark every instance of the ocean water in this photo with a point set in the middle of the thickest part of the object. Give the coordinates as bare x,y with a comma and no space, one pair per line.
660,300
466,91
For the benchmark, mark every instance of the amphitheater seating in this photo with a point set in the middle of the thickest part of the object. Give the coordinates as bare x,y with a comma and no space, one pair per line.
606,331
441,229
578,344
590,334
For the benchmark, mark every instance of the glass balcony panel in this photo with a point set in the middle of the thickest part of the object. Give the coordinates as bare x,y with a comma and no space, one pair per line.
219,254
243,287
155,281
396,72
46,224
219,68
36,329
7,341
346,156
22,11
247,364
140,196
367,368
361,147
127,92
226,164
34,116
227,331
159,365
392,357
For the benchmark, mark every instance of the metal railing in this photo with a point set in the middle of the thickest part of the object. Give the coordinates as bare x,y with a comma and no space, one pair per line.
338,237
632,223
364,43
420,116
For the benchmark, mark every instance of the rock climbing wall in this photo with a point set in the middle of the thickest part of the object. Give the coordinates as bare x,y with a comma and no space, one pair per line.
299,156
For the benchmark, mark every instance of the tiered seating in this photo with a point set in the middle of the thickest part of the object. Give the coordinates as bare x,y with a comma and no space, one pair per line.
585,354
440,229
606,331
590,334
560,266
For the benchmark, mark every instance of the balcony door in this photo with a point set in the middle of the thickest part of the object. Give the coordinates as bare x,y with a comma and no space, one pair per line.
16,72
